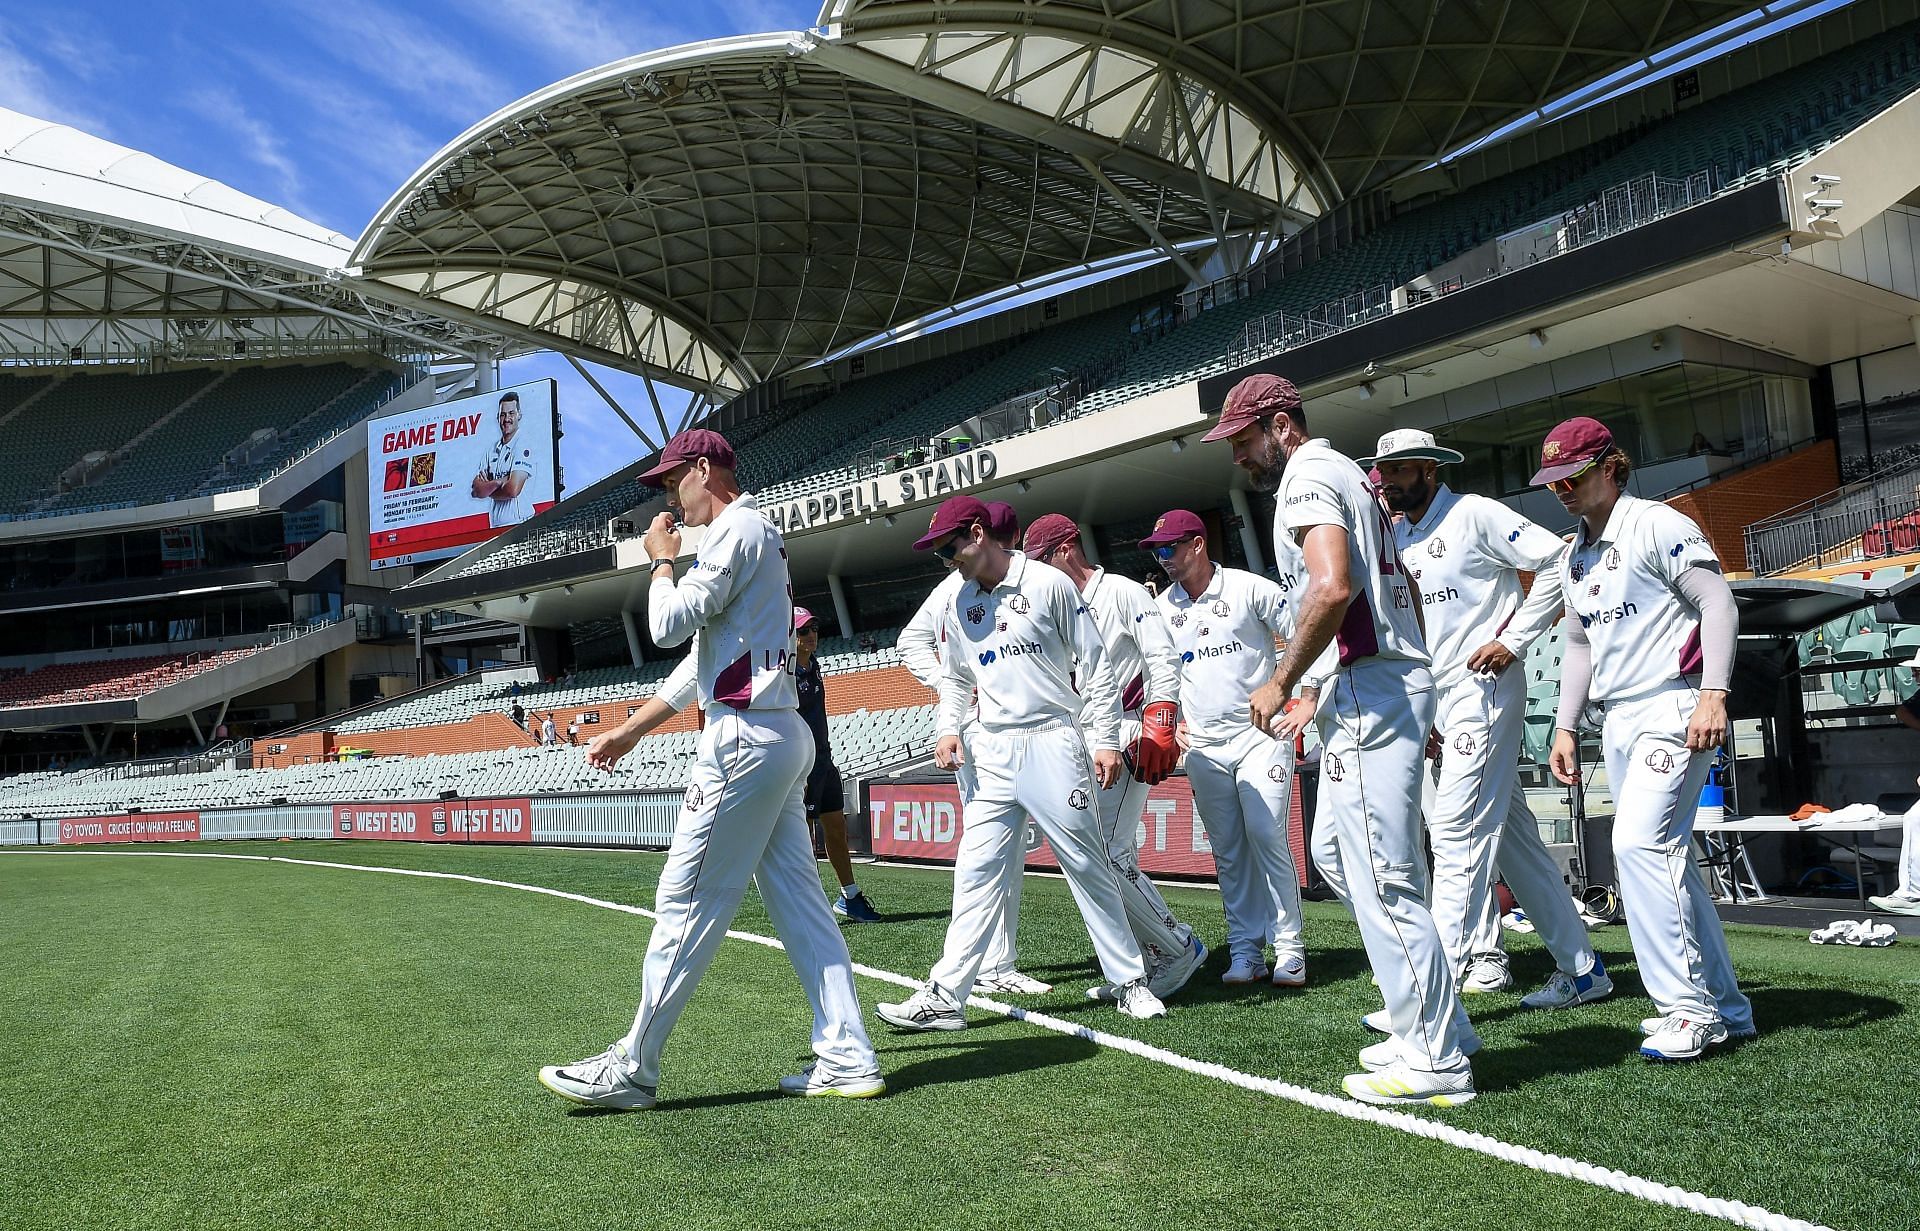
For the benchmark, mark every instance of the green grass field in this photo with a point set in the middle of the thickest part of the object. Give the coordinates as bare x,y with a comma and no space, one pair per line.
218,1043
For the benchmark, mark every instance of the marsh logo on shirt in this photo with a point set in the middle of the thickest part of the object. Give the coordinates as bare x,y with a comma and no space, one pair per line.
976,613
988,658
1020,604
1078,800
1335,770
1463,744
1187,657
1220,608
1660,761
695,797
1517,532
1179,619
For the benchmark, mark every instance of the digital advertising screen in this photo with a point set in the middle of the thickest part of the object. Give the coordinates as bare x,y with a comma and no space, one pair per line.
442,478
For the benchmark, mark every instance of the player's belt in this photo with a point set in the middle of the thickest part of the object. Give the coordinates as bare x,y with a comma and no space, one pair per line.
1673,685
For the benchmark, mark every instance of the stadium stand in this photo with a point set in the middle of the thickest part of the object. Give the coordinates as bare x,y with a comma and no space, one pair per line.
80,415
247,467
109,679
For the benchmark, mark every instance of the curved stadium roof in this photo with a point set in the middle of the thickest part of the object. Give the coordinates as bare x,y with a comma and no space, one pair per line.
720,213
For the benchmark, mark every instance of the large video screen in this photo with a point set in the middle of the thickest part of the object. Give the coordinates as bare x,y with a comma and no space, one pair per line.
442,478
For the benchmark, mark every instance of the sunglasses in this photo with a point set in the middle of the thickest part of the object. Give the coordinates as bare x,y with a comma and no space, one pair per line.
949,549
1165,551
1564,487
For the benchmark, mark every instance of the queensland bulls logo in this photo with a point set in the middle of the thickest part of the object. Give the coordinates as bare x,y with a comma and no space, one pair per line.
1179,619
1463,744
1019,604
695,797
1335,770
1078,800
976,613
1220,608
1578,570
1660,761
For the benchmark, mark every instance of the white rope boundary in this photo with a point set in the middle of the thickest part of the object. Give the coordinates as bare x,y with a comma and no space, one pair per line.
1739,1213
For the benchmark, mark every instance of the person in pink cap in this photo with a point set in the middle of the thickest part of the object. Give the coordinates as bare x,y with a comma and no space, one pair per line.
1148,671
919,646
743,818
1020,641
1650,633
1375,711
825,794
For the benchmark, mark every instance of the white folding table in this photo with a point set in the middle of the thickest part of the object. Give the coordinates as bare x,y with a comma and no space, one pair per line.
1725,846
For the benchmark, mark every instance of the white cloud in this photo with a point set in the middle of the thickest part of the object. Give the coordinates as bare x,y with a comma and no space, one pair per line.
26,86
403,55
258,142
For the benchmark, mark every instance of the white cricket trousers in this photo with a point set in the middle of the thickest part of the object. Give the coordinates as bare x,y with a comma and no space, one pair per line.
1480,828
1243,791
1678,942
1374,719
1121,806
1043,773
1003,950
1910,855
744,819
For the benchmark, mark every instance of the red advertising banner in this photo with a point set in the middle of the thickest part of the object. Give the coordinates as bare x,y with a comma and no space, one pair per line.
137,827
922,821
449,820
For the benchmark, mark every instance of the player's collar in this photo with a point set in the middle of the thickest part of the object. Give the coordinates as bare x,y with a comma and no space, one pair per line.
1443,498
1616,526
1094,579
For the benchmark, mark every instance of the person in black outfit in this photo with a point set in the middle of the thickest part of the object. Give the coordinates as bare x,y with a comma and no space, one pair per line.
825,797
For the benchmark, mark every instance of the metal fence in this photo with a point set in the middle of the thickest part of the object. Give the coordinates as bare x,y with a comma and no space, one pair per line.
1277,332
1872,519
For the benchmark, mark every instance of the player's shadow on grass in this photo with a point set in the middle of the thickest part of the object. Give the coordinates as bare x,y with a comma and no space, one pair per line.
1554,1053
1816,1008
976,1057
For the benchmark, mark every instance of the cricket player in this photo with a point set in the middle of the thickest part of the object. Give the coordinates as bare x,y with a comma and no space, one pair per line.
1020,638
509,468
743,817
1374,715
1224,623
1650,636
1147,670
919,646
825,796
1466,554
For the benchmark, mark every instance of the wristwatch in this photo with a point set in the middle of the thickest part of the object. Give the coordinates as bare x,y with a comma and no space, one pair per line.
657,561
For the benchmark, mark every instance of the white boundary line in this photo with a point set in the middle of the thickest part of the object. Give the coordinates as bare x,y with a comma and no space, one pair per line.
1738,1212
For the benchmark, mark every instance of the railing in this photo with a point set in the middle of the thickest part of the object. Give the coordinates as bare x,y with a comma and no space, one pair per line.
1868,520
1277,332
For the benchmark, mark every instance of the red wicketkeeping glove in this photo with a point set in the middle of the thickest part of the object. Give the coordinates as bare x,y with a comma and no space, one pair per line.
1157,752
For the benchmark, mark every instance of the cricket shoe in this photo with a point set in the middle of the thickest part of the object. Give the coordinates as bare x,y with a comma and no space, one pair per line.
855,909
926,1009
810,1082
1386,1053
1563,991
1137,1000
1486,974
1653,1025
605,1080
1012,982
1682,1038
1289,972
1170,976
1245,970
1379,1023
1397,1084
1896,904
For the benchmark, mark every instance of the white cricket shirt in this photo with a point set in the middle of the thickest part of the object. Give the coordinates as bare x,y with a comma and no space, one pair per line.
503,459
1322,487
1019,648
1465,557
919,641
1620,586
739,597
1225,639
1139,651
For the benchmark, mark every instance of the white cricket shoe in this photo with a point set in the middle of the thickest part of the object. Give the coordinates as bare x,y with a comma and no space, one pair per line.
1245,970
926,1009
1378,1022
1896,904
1386,1053
1138,1000
1682,1038
1486,974
1563,991
605,1080
1653,1025
1012,982
1289,972
1170,976
810,1082
1398,1084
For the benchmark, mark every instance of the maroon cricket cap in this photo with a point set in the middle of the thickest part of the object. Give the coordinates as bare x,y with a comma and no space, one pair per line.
1047,533
802,617
956,513
1172,526
1570,448
688,446
1002,522
1254,398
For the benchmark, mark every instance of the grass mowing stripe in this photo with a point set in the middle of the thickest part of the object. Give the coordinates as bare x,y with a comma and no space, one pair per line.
1737,1212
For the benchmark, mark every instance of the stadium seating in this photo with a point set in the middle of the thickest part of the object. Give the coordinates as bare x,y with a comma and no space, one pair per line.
326,417
109,679
82,414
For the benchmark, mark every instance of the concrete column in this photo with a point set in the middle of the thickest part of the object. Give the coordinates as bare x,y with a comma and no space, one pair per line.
486,374
1087,545
841,612
1249,533
636,648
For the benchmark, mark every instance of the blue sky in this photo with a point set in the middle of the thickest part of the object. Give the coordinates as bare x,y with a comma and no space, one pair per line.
326,108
